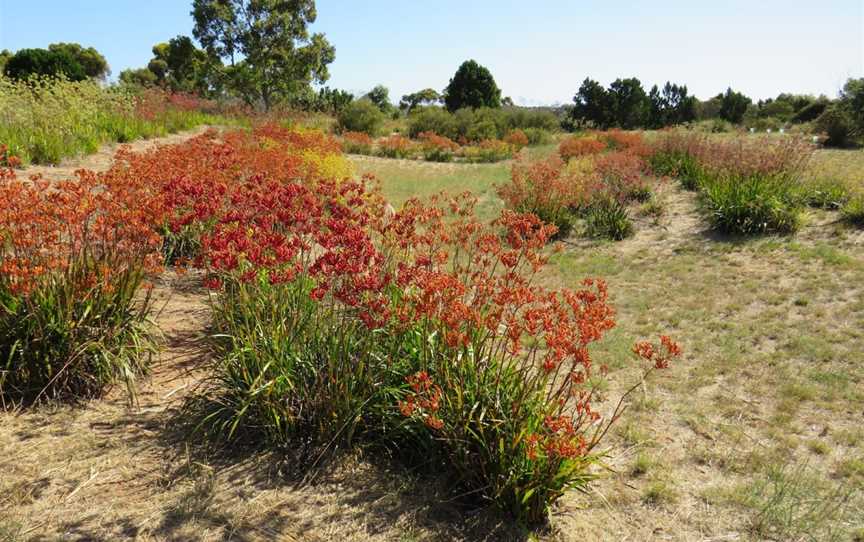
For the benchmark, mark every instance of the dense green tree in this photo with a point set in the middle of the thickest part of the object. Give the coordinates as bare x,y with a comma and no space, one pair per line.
630,104
472,86
380,96
671,106
592,104
91,60
180,65
733,106
427,96
29,62
280,58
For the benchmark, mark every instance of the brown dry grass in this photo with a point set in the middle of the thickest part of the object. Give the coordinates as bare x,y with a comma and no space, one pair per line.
755,435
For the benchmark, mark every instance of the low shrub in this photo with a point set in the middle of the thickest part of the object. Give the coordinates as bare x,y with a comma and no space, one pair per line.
435,120
576,146
488,151
622,176
826,193
548,189
538,136
73,257
677,154
361,116
516,139
755,186
396,146
609,218
853,211
357,143
437,148
623,141
503,389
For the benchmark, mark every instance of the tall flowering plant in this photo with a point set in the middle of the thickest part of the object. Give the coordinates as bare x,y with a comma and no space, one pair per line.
72,258
503,368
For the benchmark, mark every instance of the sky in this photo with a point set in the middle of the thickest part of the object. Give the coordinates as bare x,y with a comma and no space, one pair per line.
539,52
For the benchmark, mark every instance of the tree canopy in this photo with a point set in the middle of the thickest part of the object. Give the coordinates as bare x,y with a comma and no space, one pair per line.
91,60
29,62
271,54
472,86
427,96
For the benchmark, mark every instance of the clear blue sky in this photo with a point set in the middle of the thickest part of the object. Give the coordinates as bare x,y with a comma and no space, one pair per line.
539,52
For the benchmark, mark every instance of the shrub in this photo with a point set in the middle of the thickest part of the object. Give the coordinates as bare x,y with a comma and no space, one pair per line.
437,148
512,418
538,136
838,126
549,190
755,186
396,146
488,151
576,146
361,116
609,218
677,154
432,119
516,139
853,211
620,140
73,256
356,143
826,193
621,175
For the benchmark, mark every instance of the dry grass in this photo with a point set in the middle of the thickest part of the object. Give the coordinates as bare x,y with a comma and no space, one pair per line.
755,435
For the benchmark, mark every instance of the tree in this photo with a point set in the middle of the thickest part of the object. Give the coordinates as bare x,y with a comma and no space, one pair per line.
5,55
141,77
180,65
472,86
852,99
592,104
91,60
630,104
28,62
733,106
671,106
380,96
280,57
427,96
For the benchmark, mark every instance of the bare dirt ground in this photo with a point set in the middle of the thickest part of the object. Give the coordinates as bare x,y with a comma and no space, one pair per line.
755,435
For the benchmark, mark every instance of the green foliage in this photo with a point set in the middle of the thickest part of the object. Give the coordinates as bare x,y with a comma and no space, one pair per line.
538,136
361,116
380,96
92,62
66,340
608,218
45,120
289,369
680,165
182,67
472,86
733,106
426,96
826,193
754,204
838,125
279,56
482,123
853,211
671,107
28,63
